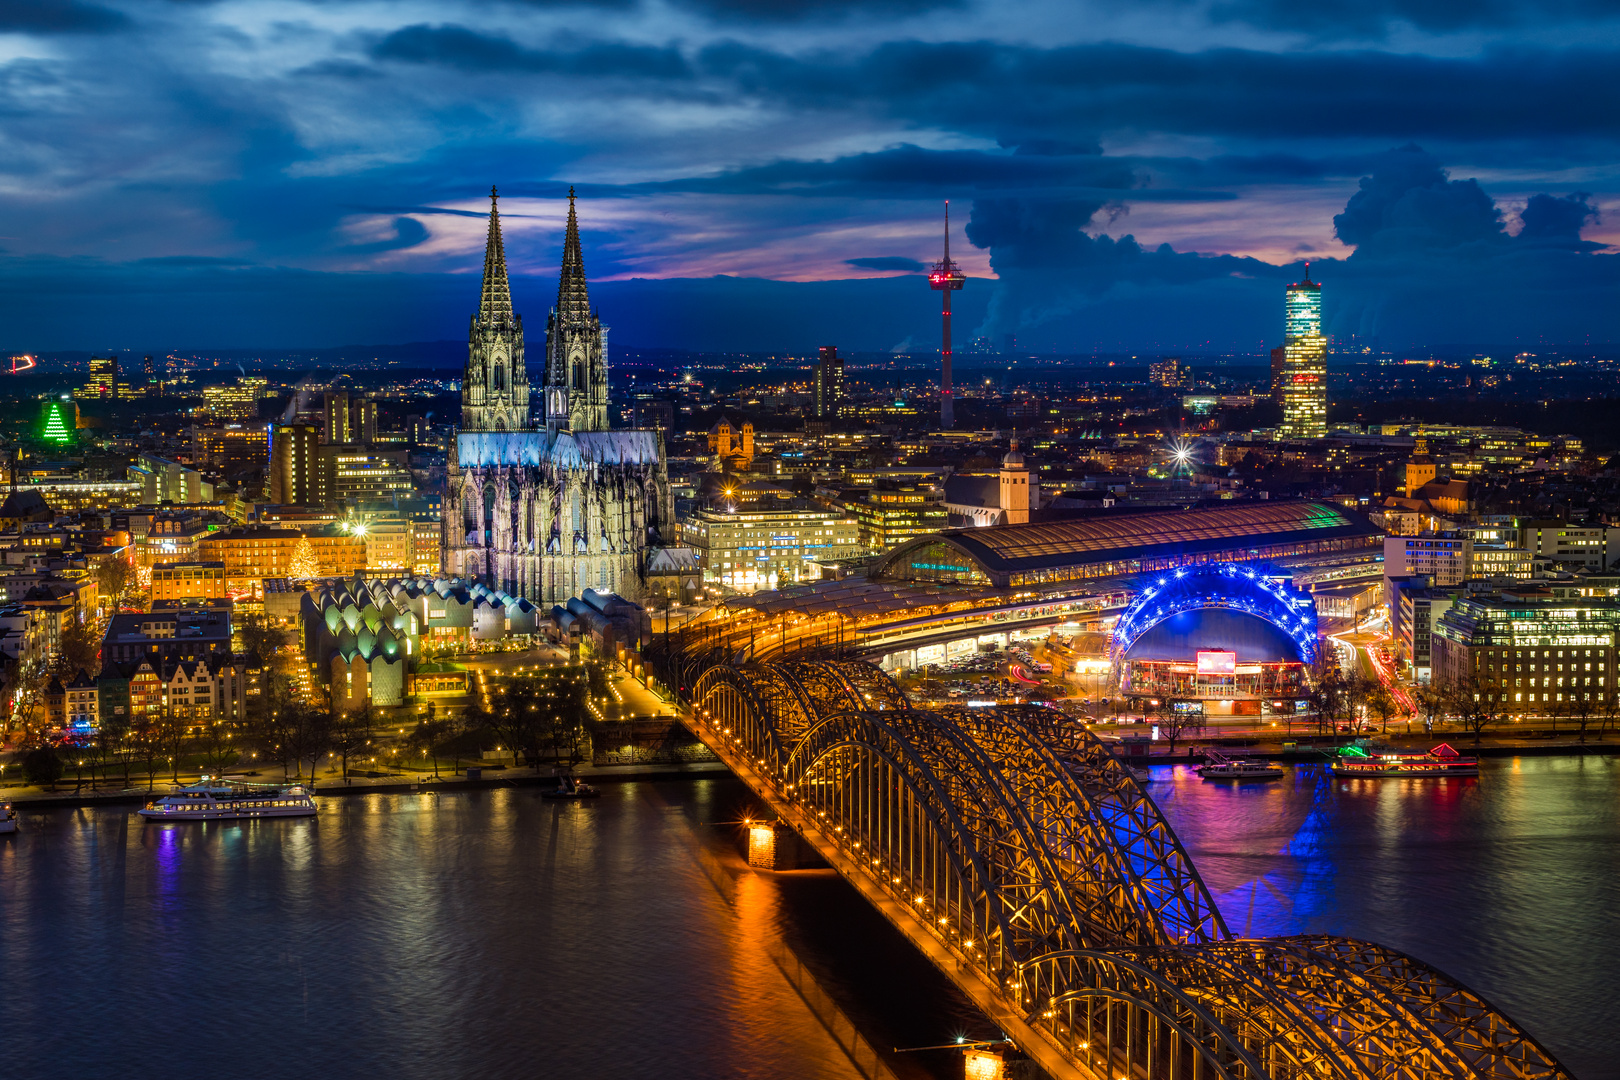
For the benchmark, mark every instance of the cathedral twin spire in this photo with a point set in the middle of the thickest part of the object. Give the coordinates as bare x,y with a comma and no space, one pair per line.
495,386
496,304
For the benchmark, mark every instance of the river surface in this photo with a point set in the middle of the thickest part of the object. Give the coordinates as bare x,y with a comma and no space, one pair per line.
495,934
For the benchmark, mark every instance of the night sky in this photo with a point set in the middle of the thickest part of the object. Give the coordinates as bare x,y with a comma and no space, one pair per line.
770,175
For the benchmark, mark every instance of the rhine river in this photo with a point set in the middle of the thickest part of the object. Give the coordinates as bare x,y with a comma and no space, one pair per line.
494,934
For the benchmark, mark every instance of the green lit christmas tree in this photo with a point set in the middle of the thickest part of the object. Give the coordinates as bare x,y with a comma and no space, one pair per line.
56,429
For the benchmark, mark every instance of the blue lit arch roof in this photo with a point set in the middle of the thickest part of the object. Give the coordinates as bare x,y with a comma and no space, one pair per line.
1235,586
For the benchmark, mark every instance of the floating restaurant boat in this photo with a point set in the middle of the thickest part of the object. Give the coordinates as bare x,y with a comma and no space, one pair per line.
1359,760
230,800
8,819
1220,767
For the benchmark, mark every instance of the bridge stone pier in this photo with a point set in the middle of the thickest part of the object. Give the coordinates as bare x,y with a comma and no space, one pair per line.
1031,867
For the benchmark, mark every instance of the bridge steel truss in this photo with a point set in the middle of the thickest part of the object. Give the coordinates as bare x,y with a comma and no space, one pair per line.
1042,868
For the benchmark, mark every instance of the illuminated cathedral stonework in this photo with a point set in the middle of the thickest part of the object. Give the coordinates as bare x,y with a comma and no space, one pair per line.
547,512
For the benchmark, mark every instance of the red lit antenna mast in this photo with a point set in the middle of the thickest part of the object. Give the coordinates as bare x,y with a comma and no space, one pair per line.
946,277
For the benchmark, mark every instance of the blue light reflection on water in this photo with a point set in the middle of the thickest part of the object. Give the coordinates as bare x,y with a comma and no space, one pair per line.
1509,883
488,933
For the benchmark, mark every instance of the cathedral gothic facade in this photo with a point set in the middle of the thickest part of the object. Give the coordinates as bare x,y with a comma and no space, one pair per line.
545,511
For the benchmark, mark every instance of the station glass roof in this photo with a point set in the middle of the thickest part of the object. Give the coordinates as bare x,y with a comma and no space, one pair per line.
1135,533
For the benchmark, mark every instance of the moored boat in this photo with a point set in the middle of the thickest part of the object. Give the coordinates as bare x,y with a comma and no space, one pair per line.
1218,766
1370,761
8,819
230,800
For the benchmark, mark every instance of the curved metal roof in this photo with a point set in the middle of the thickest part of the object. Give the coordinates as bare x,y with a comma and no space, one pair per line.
1132,532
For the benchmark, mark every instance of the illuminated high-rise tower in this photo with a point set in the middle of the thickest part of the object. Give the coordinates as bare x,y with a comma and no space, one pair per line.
946,277
1304,362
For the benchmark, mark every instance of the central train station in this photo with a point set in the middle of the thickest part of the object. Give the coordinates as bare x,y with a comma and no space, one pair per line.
941,595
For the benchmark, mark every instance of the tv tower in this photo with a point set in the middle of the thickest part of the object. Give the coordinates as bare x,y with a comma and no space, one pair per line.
946,277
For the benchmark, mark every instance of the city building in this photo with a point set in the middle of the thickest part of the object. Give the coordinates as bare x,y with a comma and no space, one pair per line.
233,448
165,481
732,445
350,418
545,513
1443,558
1006,498
295,474
1526,652
252,553
103,380
1170,373
1595,547
893,513
239,402
1420,470
171,537
350,474
362,636
175,630
829,384
188,581
766,549
1304,371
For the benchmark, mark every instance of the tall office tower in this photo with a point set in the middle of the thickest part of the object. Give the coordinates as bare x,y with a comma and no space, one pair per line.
946,277
295,466
103,381
1304,375
1279,359
154,385
363,420
829,384
338,428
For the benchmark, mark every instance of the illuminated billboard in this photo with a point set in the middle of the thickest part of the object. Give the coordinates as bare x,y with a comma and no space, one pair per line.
1217,662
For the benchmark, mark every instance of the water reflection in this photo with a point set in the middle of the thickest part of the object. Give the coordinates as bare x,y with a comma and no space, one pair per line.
497,934
1507,881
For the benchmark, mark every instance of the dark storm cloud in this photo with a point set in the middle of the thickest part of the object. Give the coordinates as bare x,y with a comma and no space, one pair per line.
1048,266
1016,93
785,11
58,17
1555,221
887,262
1409,203
1430,251
467,50
915,170
1372,18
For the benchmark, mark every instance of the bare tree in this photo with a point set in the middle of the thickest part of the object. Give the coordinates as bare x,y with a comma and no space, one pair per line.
1380,703
1431,702
1472,703
1581,707
1175,723
351,734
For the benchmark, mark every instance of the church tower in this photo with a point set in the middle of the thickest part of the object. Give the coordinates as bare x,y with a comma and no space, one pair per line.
576,386
1019,494
495,386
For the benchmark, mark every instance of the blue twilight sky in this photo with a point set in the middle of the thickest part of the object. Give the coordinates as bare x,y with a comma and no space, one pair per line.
768,174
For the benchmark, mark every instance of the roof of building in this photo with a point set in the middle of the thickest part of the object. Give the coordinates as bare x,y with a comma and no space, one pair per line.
1123,533
26,504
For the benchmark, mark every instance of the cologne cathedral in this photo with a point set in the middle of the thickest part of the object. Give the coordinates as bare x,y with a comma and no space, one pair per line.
546,506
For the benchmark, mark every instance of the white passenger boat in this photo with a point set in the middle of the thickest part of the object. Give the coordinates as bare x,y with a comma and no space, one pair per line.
1220,767
230,800
8,819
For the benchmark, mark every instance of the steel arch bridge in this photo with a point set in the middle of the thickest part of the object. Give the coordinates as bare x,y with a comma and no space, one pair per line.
1012,848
